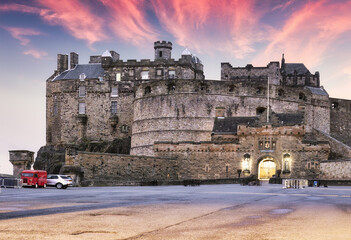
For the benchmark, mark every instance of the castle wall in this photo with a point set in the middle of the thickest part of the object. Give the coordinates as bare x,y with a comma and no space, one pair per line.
66,125
340,118
184,110
116,169
335,170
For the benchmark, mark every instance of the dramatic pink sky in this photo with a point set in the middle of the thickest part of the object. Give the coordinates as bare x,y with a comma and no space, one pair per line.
314,32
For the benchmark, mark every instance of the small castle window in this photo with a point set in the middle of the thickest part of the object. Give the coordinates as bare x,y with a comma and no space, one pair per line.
147,90
82,77
159,72
81,108
335,105
81,91
124,129
55,109
131,72
160,53
231,88
118,76
260,110
114,107
145,75
171,74
114,92
302,96
280,92
101,79
171,87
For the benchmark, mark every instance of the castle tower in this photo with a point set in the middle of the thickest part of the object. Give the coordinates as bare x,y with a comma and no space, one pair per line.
21,160
163,50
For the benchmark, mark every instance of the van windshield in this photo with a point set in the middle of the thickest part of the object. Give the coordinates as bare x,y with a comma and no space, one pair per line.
27,174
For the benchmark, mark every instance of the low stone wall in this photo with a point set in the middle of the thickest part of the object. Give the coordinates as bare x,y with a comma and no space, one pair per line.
335,170
94,169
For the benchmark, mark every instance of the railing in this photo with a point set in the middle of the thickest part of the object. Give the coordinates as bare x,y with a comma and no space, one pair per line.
295,183
10,182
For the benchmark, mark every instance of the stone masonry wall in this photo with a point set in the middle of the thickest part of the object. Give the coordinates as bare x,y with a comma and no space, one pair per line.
340,119
184,110
336,170
65,125
116,169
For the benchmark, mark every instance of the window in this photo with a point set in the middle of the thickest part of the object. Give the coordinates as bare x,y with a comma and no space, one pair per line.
302,96
335,105
160,54
280,92
114,92
114,107
82,77
147,90
159,72
260,110
171,74
81,109
131,72
145,75
124,129
55,109
81,91
118,76
101,79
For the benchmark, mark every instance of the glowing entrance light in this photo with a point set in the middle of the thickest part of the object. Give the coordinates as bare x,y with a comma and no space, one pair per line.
267,168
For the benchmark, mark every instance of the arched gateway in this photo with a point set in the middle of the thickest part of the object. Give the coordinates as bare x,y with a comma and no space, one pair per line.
267,167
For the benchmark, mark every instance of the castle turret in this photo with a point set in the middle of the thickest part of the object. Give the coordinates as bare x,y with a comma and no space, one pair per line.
163,50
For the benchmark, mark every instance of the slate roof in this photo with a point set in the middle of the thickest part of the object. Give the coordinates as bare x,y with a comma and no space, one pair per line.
230,124
318,91
299,67
289,119
92,70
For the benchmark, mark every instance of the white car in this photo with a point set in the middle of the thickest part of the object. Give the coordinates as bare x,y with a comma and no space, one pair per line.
59,181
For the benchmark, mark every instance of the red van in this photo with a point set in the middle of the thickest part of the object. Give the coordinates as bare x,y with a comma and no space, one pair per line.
34,178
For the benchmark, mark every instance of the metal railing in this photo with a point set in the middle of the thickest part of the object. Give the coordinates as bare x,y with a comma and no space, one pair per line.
10,182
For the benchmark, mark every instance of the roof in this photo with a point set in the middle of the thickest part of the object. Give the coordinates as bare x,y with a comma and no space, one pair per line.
92,70
300,68
318,91
230,124
289,119
186,52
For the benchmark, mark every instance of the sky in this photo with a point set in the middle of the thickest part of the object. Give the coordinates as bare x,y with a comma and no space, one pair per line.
32,33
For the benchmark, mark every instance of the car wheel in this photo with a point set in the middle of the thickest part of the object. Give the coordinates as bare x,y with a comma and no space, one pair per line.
59,185
44,185
36,185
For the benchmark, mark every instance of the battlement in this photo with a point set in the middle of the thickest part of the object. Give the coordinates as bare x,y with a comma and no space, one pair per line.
163,44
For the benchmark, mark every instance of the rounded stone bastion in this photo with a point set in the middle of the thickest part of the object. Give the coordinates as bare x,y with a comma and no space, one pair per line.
184,110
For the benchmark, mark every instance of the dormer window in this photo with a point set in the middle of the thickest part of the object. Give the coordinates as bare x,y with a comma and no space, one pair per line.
82,77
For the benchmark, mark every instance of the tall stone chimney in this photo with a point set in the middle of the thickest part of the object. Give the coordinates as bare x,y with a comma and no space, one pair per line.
73,60
62,62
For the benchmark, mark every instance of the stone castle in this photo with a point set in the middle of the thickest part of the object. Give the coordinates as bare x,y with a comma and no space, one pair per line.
128,122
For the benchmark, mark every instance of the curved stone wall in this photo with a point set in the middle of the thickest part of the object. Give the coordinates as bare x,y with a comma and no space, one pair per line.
184,110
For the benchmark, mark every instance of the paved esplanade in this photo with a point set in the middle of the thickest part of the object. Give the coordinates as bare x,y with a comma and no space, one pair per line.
176,212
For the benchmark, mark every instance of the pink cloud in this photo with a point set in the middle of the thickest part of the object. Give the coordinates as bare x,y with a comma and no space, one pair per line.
76,17
22,33
19,8
129,22
35,53
212,26
310,32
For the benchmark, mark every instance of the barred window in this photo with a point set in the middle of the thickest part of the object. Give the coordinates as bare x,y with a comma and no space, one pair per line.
114,92
81,109
171,74
81,91
145,75
114,107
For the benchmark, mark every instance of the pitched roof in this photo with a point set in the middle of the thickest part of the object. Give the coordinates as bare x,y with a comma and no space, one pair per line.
230,124
300,68
289,119
92,70
317,91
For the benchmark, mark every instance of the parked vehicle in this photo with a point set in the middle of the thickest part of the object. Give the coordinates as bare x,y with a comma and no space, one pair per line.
34,178
59,181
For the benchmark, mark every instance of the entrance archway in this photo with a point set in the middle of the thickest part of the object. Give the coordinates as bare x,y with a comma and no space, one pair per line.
266,168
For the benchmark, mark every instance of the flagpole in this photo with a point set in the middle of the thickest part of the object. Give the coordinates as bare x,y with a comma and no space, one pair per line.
268,100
